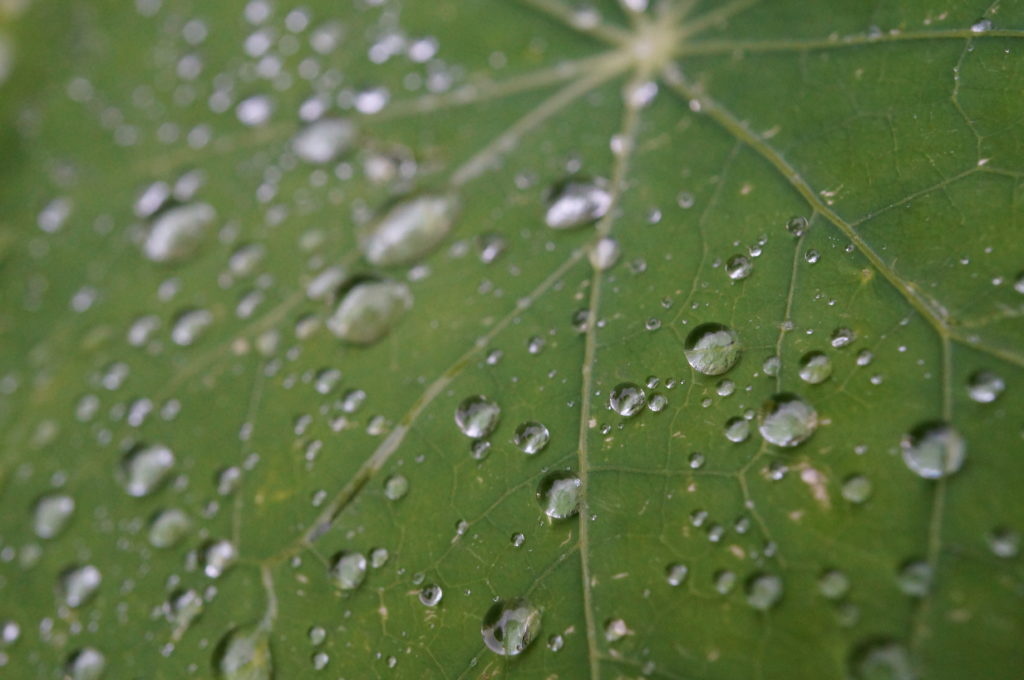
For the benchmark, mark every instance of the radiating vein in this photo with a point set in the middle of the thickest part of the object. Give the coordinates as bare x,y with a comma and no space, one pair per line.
581,23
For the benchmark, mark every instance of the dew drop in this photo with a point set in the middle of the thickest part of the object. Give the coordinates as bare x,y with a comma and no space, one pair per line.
764,591
841,337
739,267
576,203
712,349
797,226
518,539
737,430
985,387
934,449
369,310
787,420
604,254
559,495
531,437
183,607
556,642
317,635
218,556
1004,542
189,326
410,229
144,469
724,581
177,233
244,654
325,140
87,663
675,573
857,489
627,399
881,660
431,594
815,367
510,627
52,514
395,487
79,584
615,630
168,527
834,584
348,570
477,416
915,578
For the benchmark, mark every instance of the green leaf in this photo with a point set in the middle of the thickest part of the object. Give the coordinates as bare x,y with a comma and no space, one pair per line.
570,340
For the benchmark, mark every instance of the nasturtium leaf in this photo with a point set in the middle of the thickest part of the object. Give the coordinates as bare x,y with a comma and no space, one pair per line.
291,289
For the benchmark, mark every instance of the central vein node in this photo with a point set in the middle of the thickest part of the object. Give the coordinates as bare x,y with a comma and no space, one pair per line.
654,44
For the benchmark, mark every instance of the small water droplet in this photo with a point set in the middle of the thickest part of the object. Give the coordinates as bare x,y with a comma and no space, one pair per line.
857,489
431,594
556,642
477,416
410,230
915,578
52,514
724,581
834,584
764,591
168,527
87,663
559,495
218,556
881,660
739,267
934,449
797,226
369,310
615,630
675,573
518,539
737,429
317,635
627,399
395,487
712,349
531,437
815,367
244,654
575,203
985,387
144,469
787,420
1004,542
177,232
841,337
604,254
324,140
510,627
981,26
79,584
183,607
189,326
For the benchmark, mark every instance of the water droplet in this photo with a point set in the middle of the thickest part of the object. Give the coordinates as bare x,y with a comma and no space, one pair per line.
675,573
985,387
87,663
168,527
369,310
218,556
79,584
657,403
915,578
349,570
317,635
510,627
410,229
724,581
556,642
379,557
189,325
559,495
531,437
320,661
933,449
183,607
981,26
395,487
535,345
431,594
52,514
575,203
787,420
244,654
737,429
764,591
771,366
797,226
724,388
627,399
815,367
696,460
1004,542
881,660
841,337
518,539
857,489
177,233
324,140
834,584
712,349
144,469
490,246
615,630
477,416
739,267
604,254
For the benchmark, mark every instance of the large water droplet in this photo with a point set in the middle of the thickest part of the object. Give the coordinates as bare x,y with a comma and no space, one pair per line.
712,349
144,469
510,627
627,399
244,654
324,140
176,233
532,437
577,202
559,495
168,527
764,591
349,570
787,420
934,449
79,584
52,514
410,230
477,416
881,660
369,310
815,367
